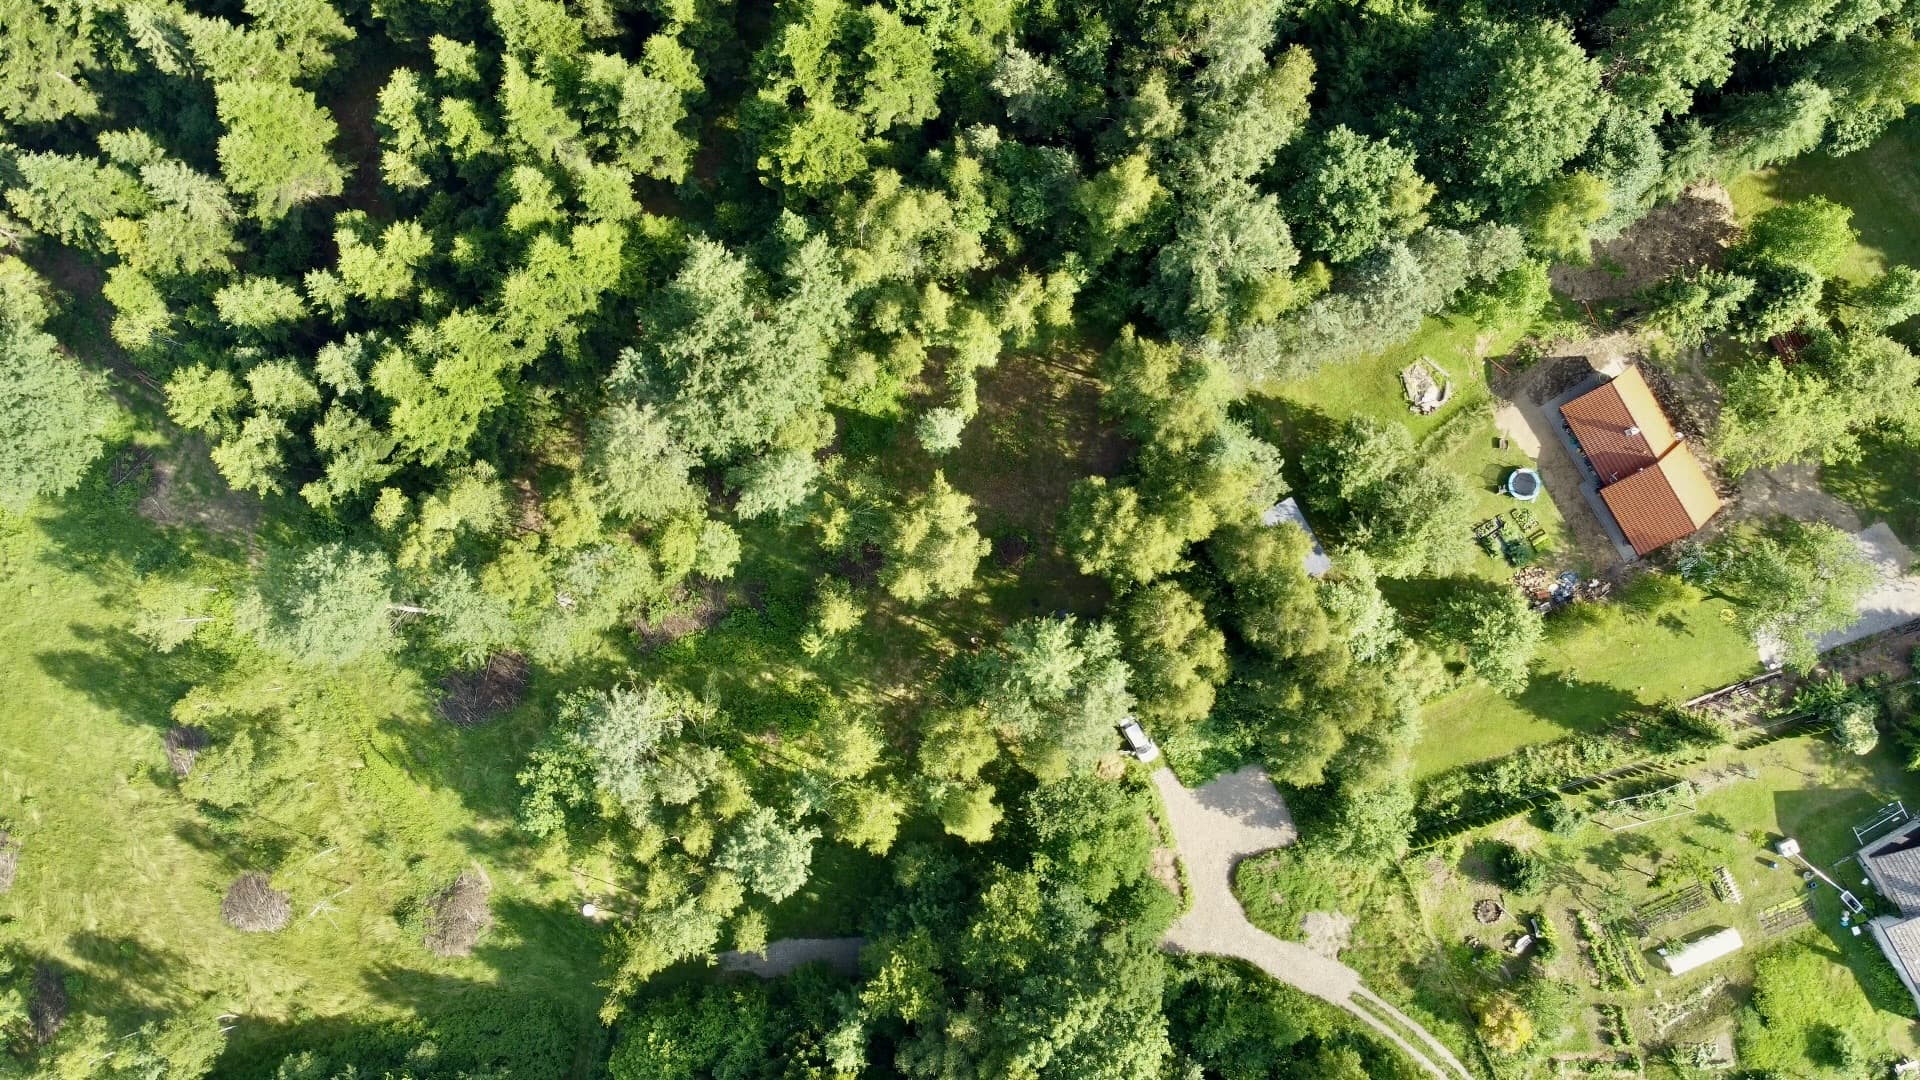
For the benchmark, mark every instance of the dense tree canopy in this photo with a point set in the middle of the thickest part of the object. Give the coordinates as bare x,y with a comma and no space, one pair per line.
52,410
721,380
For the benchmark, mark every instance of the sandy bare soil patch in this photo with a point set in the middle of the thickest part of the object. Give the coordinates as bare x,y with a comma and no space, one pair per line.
1327,932
1691,231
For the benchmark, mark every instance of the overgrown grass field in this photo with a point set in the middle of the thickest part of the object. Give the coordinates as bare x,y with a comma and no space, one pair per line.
121,876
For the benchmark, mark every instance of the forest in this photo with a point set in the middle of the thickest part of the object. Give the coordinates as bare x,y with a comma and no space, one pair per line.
735,465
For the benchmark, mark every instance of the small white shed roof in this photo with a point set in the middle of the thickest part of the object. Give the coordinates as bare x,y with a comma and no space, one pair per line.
1703,951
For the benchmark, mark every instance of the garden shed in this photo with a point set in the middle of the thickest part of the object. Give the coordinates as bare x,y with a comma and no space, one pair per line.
1702,950
1650,481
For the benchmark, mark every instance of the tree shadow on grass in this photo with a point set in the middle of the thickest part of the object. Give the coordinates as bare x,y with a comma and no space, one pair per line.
124,675
240,841
98,527
1635,853
1290,425
536,1016
465,1028
121,974
1880,484
1575,704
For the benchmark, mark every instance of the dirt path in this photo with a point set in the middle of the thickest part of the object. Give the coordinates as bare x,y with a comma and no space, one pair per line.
1216,826
1791,491
842,954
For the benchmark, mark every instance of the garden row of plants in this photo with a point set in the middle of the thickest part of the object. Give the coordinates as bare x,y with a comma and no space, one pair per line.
1613,954
1474,795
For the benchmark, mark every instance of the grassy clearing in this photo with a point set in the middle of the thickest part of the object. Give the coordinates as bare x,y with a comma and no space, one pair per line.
1881,184
1881,485
121,876
1588,674
1468,443
1389,944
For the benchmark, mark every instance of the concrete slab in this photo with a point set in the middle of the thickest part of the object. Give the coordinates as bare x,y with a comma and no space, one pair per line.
840,954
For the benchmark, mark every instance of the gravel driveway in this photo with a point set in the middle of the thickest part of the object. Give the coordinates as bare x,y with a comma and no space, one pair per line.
1217,825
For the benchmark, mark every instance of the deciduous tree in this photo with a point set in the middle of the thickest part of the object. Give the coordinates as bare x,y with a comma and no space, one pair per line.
1790,582
932,548
52,415
328,605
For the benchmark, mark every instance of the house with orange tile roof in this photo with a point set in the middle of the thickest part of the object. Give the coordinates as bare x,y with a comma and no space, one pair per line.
1650,481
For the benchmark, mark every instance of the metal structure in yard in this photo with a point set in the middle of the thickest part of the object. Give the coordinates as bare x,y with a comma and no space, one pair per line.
1660,804
1893,813
1789,849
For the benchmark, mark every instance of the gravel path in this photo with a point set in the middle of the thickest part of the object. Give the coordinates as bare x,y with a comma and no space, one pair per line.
842,954
1217,825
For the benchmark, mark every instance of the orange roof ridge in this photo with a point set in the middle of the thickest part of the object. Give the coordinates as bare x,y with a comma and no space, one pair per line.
1656,495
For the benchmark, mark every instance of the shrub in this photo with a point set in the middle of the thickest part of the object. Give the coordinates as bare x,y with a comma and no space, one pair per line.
1563,817
1520,870
1672,729
1546,941
1819,696
1853,725
1504,1025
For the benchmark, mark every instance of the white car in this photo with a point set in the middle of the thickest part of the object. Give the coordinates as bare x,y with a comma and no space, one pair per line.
1141,747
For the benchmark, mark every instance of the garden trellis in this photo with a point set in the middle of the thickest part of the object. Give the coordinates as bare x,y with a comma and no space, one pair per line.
1663,803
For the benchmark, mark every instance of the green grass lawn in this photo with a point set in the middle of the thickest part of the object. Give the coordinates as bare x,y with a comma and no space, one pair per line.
1587,675
121,877
1881,184
1371,387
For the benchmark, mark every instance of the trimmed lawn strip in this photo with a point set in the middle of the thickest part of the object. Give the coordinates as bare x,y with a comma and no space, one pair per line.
1587,676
